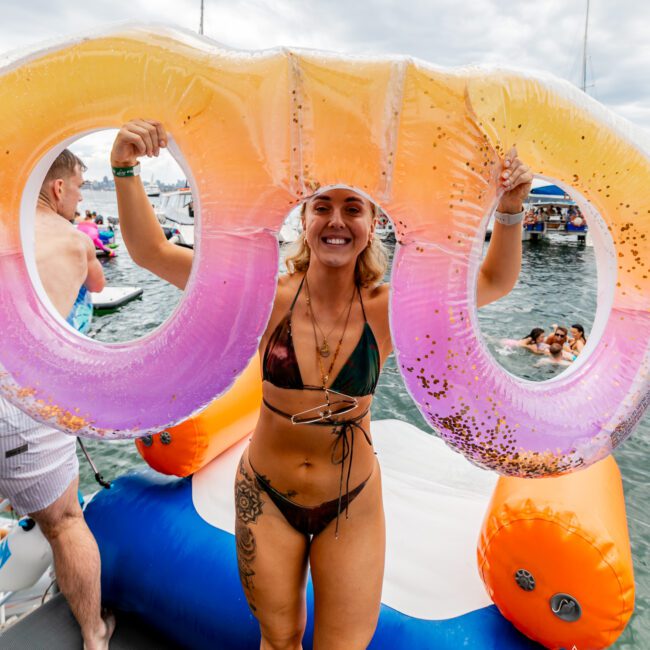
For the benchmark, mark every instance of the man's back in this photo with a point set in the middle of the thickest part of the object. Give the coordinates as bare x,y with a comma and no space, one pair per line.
65,259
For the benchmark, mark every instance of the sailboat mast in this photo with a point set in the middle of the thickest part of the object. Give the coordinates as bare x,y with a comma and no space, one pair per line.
583,85
201,23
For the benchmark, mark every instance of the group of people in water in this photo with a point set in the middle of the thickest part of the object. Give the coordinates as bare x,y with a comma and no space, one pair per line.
102,235
561,347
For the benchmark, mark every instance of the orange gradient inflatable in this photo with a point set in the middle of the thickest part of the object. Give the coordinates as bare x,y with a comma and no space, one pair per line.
257,132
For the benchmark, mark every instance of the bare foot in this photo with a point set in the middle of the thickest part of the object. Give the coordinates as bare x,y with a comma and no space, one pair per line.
102,641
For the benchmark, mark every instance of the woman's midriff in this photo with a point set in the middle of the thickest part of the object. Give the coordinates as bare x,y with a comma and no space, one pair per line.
297,459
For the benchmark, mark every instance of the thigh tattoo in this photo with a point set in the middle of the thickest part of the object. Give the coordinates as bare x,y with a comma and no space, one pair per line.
248,505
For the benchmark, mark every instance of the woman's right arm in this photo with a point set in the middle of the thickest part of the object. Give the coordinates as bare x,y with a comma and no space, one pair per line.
143,236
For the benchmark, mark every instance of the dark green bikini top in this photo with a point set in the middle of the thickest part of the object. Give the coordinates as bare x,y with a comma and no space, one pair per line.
357,377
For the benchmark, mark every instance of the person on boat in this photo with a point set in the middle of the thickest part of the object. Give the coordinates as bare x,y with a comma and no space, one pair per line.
39,471
577,220
89,227
530,219
308,487
555,357
578,339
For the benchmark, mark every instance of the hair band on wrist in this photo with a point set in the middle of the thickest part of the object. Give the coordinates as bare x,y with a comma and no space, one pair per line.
508,219
124,172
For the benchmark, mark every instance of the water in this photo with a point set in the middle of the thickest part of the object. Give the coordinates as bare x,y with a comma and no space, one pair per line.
557,285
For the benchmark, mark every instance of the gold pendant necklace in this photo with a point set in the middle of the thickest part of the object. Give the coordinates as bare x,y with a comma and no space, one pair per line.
324,349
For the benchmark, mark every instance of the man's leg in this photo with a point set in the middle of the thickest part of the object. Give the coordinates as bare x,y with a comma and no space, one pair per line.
77,565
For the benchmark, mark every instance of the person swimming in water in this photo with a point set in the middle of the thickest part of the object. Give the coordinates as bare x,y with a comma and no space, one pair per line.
535,341
555,357
90,228
578,339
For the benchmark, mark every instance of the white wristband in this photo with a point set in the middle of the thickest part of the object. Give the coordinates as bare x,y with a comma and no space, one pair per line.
508,219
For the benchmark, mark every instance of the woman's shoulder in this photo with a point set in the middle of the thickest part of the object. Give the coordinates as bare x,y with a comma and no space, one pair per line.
379,291
287,286
376,297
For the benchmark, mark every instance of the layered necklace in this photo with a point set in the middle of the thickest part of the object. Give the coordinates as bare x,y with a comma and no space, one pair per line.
323,349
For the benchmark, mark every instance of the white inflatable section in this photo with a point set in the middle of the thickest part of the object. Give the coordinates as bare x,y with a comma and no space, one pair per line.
434,500
113,297
28,555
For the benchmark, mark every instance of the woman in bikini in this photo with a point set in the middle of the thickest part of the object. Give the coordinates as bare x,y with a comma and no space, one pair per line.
578,339
308,487
534,341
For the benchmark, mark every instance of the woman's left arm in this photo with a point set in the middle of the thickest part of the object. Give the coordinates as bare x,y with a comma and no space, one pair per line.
500,269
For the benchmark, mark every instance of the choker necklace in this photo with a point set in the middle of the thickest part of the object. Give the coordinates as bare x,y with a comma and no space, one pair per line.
319,348
324,348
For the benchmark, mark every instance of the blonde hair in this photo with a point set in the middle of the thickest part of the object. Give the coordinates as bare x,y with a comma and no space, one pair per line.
371,264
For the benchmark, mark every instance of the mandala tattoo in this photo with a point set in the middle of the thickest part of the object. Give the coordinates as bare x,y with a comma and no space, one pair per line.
248,505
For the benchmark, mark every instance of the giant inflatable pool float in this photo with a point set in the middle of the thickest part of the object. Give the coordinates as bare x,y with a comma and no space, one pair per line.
541,548
179,571
560,572
256,132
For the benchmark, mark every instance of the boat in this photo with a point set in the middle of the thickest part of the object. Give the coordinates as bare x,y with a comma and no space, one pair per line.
549,210
434,596
555,213
291,228
176,212
385,229
152,189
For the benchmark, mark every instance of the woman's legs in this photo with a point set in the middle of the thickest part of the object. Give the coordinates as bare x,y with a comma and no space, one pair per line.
272,560
348,573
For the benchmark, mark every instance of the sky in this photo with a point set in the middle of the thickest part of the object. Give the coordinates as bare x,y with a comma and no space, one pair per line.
544,35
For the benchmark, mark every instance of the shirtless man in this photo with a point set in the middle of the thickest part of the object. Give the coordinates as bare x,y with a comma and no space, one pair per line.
39,471
65,257
560,336
555,357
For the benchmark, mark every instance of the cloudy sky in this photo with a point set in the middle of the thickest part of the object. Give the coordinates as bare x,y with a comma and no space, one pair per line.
534,34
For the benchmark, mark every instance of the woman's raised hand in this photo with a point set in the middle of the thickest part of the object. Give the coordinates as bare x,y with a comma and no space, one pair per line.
516,179
137,138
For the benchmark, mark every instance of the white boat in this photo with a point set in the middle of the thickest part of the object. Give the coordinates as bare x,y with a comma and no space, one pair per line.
152,189
385,230
291,228
176,211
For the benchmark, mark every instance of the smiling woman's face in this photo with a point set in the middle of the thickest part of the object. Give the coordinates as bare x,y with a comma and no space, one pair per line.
338,226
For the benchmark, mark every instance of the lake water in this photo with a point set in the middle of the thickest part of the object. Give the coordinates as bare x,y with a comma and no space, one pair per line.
557,285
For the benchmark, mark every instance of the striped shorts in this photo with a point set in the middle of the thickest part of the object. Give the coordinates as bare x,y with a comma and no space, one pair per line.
37,462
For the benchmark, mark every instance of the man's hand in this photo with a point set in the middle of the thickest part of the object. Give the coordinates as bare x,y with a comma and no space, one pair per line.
516,181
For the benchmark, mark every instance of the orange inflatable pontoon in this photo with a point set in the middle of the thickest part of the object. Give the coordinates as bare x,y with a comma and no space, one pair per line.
185,448
554,554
